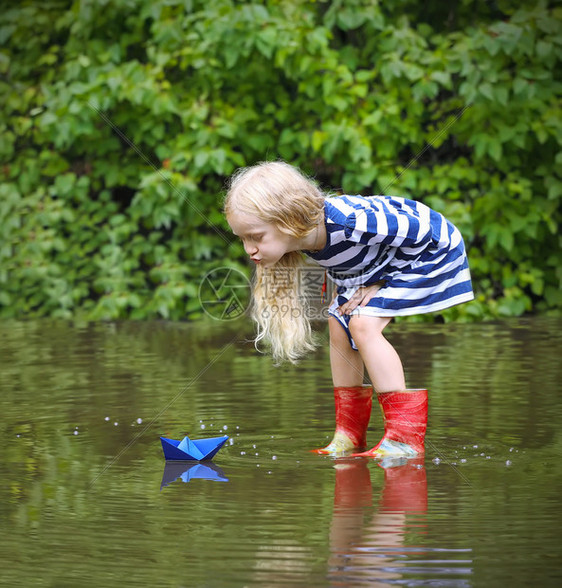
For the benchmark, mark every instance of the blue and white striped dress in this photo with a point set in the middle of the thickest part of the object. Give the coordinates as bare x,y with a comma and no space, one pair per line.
415,251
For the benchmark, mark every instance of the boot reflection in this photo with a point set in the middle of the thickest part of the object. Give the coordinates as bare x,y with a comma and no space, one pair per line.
405,485
352,493
366,548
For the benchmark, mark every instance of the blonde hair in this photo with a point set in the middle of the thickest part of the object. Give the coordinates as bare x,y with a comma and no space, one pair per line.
280,194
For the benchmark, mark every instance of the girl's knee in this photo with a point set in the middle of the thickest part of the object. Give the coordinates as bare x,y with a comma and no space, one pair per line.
363,328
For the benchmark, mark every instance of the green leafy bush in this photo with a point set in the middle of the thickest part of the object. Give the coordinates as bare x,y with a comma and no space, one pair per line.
122,118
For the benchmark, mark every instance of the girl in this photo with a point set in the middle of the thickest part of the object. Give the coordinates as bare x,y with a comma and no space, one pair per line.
388,257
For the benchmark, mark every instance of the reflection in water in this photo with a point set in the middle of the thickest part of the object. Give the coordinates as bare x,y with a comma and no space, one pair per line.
376,552
189,470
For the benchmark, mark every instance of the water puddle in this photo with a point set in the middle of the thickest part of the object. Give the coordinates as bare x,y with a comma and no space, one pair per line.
89,500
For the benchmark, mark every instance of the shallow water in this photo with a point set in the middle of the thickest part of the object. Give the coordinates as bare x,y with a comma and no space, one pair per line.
87,500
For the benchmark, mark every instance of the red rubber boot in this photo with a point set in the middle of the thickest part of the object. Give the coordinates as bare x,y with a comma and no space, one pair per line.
405,423
353,411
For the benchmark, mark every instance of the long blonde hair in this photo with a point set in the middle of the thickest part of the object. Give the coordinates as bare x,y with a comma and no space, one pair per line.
280,194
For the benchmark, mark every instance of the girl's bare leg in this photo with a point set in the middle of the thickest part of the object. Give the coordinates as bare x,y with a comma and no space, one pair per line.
379,356
352,400
347,365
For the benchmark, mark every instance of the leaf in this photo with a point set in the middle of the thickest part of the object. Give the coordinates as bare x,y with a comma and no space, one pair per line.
501,93
544,49
554,186
495,149
442,77
486,90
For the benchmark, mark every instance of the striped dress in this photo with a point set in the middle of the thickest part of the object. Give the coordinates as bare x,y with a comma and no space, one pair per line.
416,252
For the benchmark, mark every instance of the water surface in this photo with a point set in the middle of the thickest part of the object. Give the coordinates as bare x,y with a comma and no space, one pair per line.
87,500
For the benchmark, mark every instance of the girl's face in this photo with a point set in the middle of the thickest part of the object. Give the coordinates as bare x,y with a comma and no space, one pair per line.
263,242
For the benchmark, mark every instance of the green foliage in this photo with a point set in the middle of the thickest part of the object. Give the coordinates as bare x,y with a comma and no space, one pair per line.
121,119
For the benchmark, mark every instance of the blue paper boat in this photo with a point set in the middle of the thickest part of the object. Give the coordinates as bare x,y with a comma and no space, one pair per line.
175,470
192,450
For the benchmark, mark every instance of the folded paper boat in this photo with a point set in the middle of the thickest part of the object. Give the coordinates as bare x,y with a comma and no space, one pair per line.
192,449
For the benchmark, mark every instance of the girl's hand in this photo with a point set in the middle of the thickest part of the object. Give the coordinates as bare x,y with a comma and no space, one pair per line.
360,298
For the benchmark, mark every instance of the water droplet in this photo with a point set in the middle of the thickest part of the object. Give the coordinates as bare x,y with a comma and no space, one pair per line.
106,418
237,427
257,465
202,426
139,421
18,435
257,453
463,460
273,457
254,446
475,446
511,449
231,441
76,432
115,423
76,428
508,463
488,457
436,461
225,428
482,454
